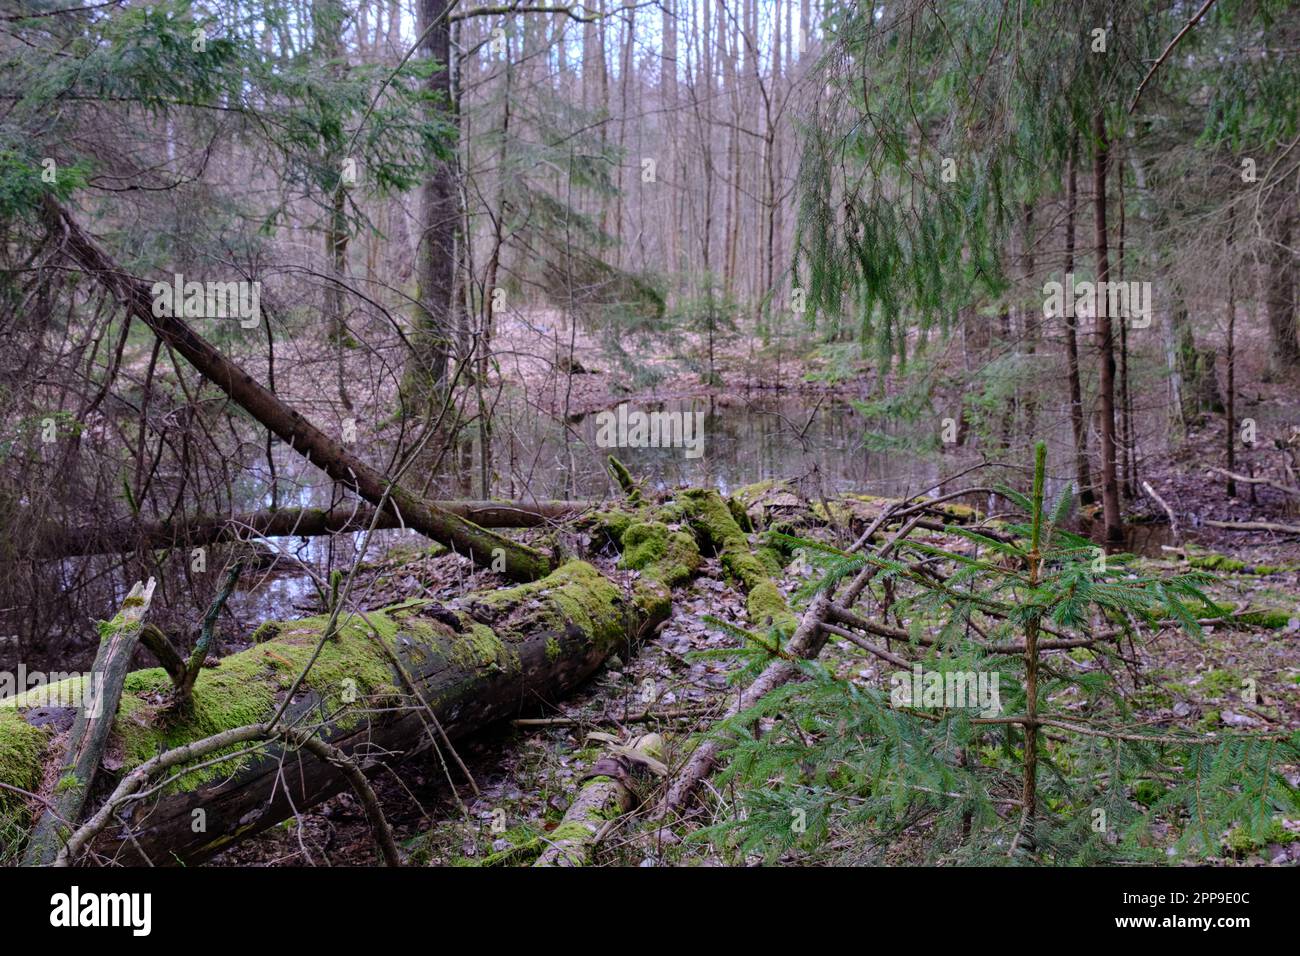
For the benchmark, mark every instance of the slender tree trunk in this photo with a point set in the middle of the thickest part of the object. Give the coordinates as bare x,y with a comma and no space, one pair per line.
1105,341
1033,327
426,371
1078,425
1280,295
1231,361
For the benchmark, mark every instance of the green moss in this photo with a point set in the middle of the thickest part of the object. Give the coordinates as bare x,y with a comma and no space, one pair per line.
739,515
553,650
1244,840
21,747
571,830
1272,619
962,513
624,479
764,600
1220,683
748,495
480,647
612,524
243,689
1213,561
644,544
266,631
573,594
67,782
670,557
1147,792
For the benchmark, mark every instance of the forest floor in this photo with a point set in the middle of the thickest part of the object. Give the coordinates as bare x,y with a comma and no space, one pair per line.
532,772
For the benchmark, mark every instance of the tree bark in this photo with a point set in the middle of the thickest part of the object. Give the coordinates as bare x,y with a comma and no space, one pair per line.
91,728
507,652
521,563
1082,472
616,784
426,373
1280,294
1105,341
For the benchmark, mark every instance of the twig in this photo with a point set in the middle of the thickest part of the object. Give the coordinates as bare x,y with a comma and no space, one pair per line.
1168,49
1173,519
200,653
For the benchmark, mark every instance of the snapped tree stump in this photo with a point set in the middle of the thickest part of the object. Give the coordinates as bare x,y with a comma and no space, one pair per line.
92,726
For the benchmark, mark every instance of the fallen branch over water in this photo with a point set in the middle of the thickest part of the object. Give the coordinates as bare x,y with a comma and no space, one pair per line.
52,542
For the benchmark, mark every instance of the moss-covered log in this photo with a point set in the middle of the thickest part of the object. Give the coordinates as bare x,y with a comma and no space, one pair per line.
496,654
618,782
755,571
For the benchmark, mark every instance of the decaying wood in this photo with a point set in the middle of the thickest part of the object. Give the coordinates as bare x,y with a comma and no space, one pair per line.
90,729
1250,480
209,745
616,783
1254,526
1169,512
164,652
485,548
55,541
806,643
185,689
497,654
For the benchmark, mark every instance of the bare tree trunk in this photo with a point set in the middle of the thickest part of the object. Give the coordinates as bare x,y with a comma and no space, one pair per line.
1280,295
1077,423
426,372
1105,341
1231,357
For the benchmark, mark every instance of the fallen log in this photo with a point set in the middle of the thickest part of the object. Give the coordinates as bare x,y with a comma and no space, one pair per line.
521,563
1252,480
714,522
497,655
1253,526
805,644
616,783
1169,512
54,542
